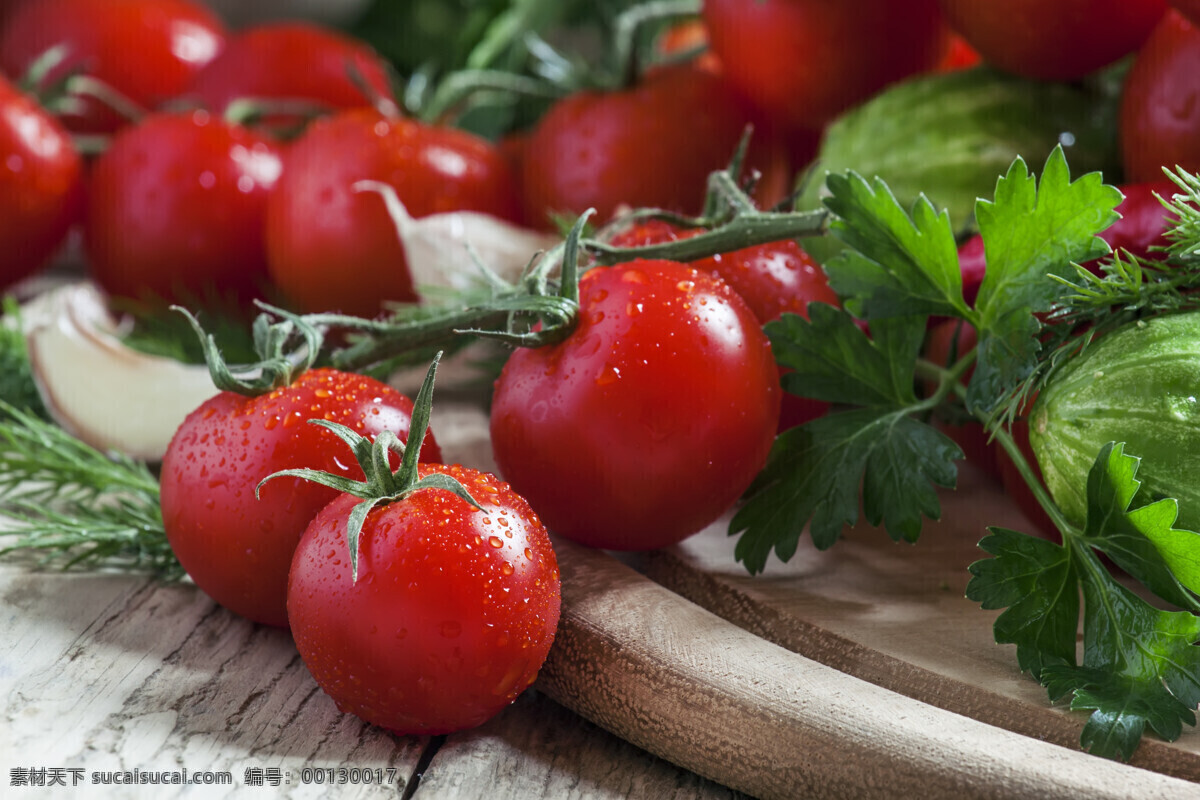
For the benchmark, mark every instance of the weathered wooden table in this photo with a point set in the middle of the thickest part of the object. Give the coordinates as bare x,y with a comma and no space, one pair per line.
857,672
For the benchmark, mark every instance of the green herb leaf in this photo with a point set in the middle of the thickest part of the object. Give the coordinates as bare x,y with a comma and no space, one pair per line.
896,264
815,472
1142,541
1033,228
1035,580
1140,664
65,499
832,359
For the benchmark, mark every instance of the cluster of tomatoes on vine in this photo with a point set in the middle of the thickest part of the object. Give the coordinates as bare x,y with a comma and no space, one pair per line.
636,430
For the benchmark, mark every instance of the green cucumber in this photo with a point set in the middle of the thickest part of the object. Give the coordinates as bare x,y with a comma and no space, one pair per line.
1139,385
950,136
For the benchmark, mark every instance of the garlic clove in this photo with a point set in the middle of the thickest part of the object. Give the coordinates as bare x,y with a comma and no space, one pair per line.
97,388
439,248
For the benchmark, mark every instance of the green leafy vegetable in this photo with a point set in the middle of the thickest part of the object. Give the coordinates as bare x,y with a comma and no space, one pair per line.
815,472
897,269
1031,230
1140,665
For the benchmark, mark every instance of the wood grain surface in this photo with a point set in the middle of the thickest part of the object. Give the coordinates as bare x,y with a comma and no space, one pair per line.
896,615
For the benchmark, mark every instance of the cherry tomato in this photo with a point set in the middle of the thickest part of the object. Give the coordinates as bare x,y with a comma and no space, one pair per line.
651,145
239,549
176,209
1160,102
330,247
147,50
451,617
292,61
958,55
40,185
650,419
1057,41
1189,8
773,279
803,62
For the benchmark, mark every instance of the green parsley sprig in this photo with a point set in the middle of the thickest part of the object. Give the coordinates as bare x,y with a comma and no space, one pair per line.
1035,309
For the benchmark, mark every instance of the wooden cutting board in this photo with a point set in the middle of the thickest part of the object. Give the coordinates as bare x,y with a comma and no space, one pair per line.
862,671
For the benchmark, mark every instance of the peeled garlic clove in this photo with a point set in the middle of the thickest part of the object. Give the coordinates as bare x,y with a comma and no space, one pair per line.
439,247
97,388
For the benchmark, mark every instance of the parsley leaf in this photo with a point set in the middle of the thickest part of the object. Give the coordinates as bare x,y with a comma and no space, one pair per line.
1031,229
1140,664
896,264
816,472
1142,541
833,360
1035,580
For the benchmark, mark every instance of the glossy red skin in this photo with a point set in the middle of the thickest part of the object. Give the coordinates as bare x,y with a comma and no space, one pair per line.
452,615
773,279
958,55
650,419
177,205
148,50
330,248
40,185
652,145
1189,8
1160,103
1141,228
291,60
1056,41
239,549
803,62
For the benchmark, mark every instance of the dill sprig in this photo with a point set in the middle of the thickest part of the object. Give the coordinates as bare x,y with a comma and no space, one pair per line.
77,505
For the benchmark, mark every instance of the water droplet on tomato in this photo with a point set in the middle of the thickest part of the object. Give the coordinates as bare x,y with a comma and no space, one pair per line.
495,541
506,569
609,374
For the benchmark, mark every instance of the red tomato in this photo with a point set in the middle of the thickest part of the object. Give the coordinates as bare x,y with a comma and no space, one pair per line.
332,248
1058,41
40,185
147,50
958,55
239,549
650,419
652,145
772,278
292,61
1189,8
176,209
1160,103
803,62
451,617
